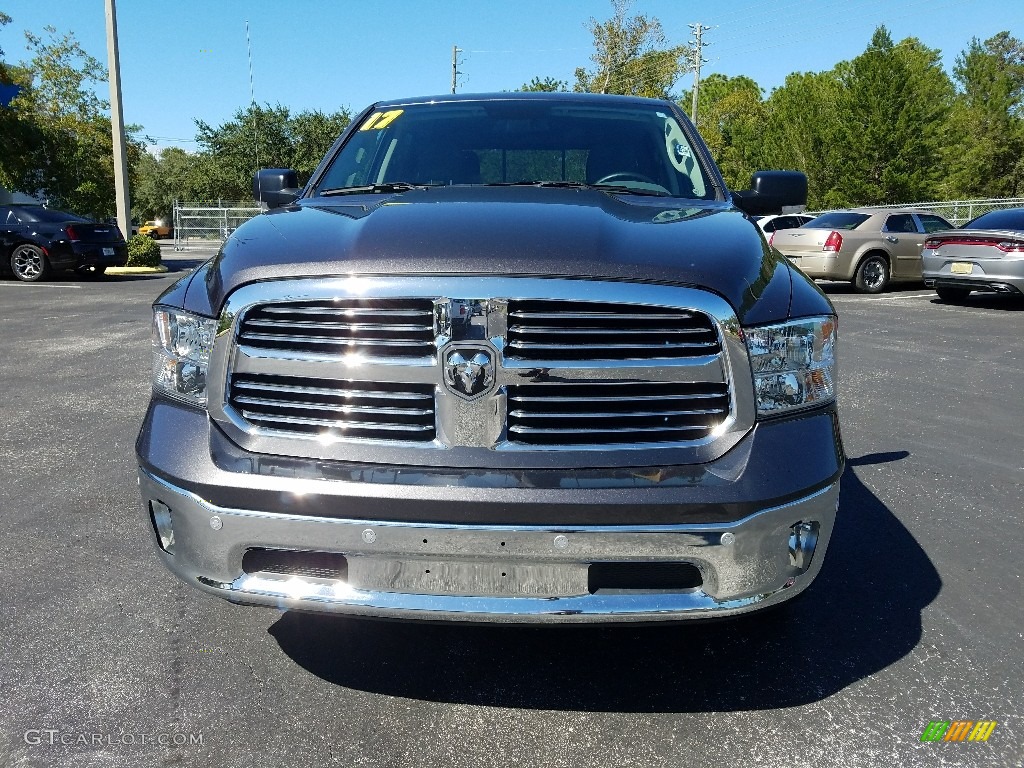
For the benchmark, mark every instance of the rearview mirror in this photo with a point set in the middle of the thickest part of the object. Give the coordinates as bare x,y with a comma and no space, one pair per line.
773,192
275,187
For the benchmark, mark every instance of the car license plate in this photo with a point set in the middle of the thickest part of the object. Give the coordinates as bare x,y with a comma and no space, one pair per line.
108,251
961,268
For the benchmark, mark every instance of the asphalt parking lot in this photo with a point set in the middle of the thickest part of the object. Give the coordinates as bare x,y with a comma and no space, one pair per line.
110,661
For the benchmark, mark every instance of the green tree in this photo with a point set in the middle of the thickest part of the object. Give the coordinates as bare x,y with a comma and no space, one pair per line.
731,116
895,102
264,137
803,131
630,56
312,134
986,159
548,84
19,135
59,145
256,138
4,21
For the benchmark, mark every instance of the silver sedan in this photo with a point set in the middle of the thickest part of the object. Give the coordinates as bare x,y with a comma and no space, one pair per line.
986,254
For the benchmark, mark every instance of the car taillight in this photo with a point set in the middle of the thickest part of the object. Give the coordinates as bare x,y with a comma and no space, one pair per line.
70,232
932,243
834,242
1011,246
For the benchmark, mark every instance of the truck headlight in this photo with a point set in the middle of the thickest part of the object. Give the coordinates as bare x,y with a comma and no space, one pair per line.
794,364
181,353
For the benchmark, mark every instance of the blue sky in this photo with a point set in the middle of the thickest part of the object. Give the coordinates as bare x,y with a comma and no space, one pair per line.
185,59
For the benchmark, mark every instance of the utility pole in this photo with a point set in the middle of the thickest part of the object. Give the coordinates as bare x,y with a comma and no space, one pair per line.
121,194
455,66
698,59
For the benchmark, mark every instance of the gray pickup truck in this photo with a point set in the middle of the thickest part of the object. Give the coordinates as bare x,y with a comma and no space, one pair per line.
511,358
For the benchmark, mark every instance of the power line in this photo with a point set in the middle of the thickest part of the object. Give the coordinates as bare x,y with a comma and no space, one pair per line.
252,111
530,50
455,66
174,139
698,59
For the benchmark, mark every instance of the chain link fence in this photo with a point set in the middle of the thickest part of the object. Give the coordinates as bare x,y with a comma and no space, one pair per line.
199,223
206,223
959,212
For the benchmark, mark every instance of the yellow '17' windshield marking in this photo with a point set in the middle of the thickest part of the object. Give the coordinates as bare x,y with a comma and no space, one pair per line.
379,120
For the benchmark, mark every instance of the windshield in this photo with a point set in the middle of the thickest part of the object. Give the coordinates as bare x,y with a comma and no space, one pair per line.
1012,218
837,220
45,215
638,148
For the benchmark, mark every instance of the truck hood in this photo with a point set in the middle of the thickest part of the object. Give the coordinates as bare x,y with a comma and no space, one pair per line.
508,231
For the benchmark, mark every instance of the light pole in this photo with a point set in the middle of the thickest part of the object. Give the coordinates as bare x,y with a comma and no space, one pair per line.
121,193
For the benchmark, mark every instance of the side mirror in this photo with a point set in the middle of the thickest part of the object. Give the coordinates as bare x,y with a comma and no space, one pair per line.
773,192
275,187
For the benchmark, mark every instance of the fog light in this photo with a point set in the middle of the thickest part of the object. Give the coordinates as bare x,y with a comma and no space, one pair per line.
160,514
803,538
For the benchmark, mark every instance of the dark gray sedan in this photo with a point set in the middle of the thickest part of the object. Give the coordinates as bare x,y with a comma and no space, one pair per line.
986,254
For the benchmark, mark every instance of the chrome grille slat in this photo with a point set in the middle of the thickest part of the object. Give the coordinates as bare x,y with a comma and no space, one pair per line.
336,423
605,331
599,399
342,408
332,410
337,392
582,347
331,326
384,328
346,311
521,414
577,330
618,316
249,337
580,432
608,413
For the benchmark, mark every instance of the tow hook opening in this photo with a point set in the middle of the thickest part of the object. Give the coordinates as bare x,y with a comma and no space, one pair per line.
803,538
160,516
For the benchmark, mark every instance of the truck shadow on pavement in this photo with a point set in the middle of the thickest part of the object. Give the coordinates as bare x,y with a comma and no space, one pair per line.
862,614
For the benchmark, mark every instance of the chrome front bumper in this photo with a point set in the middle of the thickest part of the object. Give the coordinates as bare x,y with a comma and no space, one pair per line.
493,573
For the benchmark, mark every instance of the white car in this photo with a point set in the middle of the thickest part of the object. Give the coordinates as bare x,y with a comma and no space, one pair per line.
771,224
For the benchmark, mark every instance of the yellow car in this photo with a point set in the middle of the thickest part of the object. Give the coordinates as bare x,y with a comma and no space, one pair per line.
155,229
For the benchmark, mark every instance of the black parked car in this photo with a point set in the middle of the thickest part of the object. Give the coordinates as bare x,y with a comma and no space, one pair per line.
35,240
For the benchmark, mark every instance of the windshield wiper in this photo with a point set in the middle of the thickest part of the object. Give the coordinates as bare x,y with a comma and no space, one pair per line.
614,188
622,188
392,186
562,184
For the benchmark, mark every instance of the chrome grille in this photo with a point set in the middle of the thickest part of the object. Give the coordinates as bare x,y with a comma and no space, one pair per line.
614,413
371,327
328,408
647,367
575,330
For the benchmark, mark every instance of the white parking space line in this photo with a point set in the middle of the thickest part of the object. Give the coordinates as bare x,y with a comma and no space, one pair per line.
37,285
928,295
